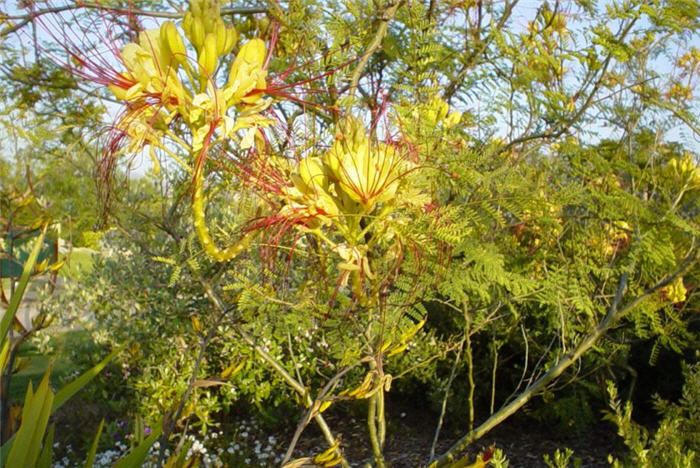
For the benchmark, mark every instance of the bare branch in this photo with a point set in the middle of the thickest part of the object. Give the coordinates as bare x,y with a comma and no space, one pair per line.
613,316
384,19
23,20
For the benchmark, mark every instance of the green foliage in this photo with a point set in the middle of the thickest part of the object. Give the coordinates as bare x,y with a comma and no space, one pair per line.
670,444
572,410
684,412
524,227
562,459
90,459
26,444
138,455
499,459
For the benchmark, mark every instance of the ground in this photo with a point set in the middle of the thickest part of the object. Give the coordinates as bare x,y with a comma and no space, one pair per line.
410,427
523,442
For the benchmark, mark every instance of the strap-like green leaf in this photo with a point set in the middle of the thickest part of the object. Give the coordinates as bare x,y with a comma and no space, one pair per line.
76,385
57,401
136,457
28,396
37,409
93,448
16,298
5,450
47,452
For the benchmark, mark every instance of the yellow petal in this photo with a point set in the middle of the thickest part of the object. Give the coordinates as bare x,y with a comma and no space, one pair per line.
246,71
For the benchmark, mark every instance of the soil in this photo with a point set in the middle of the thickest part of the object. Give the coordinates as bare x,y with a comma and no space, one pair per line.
411,431
410,434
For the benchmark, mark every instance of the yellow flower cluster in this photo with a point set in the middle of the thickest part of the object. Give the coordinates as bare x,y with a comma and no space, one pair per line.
340,189
349,180
676,291
685,169
343,186
162,83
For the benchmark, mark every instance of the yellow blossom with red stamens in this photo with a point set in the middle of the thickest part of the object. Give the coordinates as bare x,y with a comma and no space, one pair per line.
368,172
247,75
151,72
344,194
160,84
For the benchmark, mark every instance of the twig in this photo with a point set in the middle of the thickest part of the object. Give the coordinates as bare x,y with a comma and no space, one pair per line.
169,425
563,125
481,47
306,419
291,381
443,409
614,314
374,45
372,427
470,367
31,16
494,369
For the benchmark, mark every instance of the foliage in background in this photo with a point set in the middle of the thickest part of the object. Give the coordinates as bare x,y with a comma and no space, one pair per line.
675,440
568,214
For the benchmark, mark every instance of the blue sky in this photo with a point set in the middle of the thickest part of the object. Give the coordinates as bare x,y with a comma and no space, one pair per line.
524,12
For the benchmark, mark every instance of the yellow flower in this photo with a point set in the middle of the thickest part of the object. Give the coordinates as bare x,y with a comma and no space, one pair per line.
437,111
310,194
367,172
676,291
247,74
151,72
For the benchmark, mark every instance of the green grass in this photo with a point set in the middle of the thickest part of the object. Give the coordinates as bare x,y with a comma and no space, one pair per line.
79,263
38,363
35,364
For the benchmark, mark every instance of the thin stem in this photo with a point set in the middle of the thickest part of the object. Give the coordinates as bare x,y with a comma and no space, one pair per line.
526,360
613,316
372,427
314,408
170,425
29,17
443,408
470,367
493,375
277,367
327,434
381,419
374,45
480,47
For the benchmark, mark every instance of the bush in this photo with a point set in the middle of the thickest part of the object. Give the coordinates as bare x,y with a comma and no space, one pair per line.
675,442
